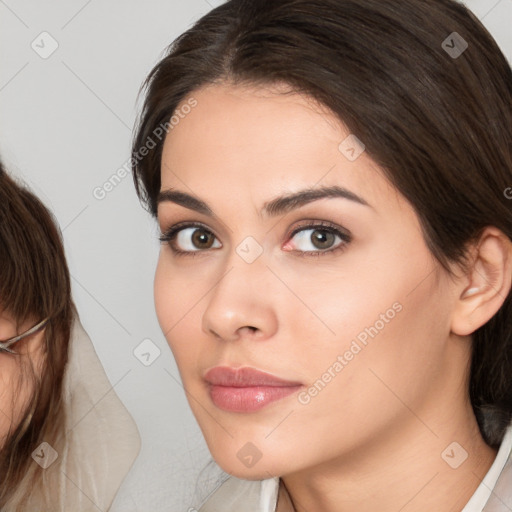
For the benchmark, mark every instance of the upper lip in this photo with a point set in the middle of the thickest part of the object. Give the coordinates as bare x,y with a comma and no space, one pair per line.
244,377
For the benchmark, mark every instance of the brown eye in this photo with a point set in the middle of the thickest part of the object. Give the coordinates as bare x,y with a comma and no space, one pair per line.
202,239
190,239
317,239
322,239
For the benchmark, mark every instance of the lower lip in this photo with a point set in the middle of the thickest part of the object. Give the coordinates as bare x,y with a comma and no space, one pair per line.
248,399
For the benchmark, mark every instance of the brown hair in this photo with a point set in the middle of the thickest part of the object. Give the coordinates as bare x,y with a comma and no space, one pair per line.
437,123
34,284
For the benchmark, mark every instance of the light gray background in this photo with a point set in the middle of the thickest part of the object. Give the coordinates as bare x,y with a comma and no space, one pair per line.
66,129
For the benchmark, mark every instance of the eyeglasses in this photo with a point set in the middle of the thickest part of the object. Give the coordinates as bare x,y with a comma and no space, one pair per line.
5,344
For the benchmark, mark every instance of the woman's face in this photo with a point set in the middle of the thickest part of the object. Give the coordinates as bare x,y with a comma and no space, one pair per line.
339,297
18,371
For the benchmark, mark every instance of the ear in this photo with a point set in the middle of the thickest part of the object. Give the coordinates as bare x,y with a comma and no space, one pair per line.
487,283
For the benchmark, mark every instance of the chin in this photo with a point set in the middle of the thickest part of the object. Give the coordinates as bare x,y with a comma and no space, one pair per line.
247,463
259,472
244,452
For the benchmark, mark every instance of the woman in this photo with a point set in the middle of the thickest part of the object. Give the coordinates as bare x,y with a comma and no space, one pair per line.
336,262
67,440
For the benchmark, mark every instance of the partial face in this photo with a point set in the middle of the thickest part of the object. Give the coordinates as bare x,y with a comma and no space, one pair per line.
17,372
331,297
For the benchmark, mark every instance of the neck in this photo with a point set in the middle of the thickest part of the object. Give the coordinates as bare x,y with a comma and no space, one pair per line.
408,469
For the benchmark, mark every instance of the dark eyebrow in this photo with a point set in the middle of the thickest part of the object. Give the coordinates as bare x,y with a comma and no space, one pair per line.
278,206
285,204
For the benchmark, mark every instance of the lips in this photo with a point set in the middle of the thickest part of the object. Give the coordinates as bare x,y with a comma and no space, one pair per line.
246,389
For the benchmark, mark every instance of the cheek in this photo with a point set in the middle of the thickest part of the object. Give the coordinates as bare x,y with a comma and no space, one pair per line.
6,397
177,305
383,326
14,395
388,351
172,293
161,295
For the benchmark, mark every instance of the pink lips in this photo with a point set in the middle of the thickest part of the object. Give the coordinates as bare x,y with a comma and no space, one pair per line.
246,389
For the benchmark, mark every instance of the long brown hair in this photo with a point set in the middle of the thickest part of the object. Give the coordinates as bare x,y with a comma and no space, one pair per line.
437,121
34,284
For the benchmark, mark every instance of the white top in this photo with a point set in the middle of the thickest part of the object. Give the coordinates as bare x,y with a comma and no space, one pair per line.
484,491
494,494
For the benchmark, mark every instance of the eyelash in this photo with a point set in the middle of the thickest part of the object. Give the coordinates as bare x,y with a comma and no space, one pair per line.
169,236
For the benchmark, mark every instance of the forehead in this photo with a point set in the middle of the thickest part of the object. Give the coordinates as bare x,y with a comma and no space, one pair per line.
252,118
262,141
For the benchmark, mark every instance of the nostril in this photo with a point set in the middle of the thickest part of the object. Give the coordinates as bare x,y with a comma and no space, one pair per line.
250,328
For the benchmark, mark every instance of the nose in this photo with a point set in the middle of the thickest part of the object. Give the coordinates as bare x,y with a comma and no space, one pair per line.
241,305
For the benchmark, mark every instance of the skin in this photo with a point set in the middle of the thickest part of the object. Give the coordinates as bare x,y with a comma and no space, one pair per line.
403,399
15,392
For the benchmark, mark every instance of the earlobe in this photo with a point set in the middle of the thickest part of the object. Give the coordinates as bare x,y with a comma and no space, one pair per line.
487,283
